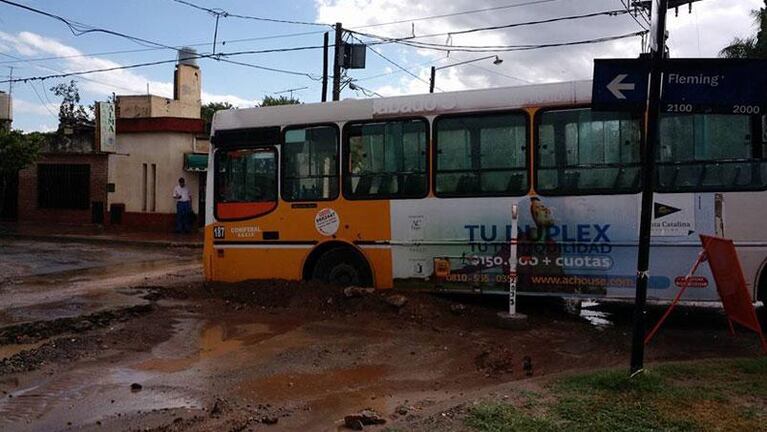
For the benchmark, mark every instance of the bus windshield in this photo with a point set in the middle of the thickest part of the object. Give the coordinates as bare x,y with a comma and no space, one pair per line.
246,182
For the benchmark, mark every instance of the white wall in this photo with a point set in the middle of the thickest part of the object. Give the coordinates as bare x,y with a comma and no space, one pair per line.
165,150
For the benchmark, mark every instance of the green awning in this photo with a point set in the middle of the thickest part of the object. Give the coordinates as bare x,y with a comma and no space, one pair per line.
195,162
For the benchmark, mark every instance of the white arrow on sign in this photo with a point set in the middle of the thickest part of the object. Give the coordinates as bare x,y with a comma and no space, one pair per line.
617,85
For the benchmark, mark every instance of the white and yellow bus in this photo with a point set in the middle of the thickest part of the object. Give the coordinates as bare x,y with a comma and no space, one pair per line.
416,192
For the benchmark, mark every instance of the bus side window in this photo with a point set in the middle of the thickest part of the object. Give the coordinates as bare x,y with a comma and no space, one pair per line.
709,152
481,155
585,152
310,163
386,159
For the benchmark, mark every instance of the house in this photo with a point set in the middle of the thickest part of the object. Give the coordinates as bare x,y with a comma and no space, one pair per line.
158,141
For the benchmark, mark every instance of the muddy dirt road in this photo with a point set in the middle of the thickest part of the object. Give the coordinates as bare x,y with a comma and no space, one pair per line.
152,348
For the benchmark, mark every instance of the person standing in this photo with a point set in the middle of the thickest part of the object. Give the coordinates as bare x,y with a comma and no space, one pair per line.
183,207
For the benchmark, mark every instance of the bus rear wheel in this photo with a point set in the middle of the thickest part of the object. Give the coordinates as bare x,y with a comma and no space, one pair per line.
342,267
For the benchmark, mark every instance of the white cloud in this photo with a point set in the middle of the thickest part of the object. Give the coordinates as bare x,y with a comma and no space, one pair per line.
45,127
701,34
102,83
21,106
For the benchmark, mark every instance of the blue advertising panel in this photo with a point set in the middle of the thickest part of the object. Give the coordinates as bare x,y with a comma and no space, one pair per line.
578,245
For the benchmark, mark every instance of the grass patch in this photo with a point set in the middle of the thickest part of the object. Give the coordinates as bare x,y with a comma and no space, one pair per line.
505,418
722,395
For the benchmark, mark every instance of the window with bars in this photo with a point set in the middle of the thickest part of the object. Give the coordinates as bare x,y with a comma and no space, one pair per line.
63,186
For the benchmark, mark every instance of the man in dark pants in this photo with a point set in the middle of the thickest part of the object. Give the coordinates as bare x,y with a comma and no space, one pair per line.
183,207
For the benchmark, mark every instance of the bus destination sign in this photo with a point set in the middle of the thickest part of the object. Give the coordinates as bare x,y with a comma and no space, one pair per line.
722,86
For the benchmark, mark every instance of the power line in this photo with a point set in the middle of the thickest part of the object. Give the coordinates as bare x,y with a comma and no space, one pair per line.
367,92
222,43
79,29
270,69
218,56
614,12
48,68
499,73
508,48
41,101
627,6
467,12
371,77
392,61
225,14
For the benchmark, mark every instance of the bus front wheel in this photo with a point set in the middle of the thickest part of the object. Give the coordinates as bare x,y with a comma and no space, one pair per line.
342,267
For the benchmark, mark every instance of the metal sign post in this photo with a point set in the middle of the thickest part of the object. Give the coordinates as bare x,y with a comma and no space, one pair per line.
513,320
513,261
653,85
648,186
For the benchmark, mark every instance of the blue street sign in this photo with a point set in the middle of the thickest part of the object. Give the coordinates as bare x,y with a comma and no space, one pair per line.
620,84
724,86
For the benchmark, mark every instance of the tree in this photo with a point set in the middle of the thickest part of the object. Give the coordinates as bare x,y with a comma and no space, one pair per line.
17,151
71,111
282,100
750,47
210,108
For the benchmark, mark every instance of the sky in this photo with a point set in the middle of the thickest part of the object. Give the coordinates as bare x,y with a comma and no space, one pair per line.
35,45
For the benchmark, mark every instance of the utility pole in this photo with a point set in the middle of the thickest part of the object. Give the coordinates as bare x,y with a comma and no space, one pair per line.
657,54
431,80
325,68
338,60
215,33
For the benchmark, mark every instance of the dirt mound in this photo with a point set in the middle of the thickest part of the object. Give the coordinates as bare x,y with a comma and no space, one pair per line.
315,297
39,330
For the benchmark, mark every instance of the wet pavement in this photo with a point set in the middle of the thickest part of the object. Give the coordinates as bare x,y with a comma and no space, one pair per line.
298,358
98,234
41,280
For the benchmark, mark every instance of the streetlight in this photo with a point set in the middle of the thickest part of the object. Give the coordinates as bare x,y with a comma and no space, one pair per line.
434,70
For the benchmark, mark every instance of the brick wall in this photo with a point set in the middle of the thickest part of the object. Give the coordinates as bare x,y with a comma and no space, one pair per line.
28,205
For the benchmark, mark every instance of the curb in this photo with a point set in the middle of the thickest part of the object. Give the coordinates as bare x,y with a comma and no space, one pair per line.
62,238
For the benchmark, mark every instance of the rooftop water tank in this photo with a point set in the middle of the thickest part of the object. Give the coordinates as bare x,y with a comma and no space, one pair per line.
187,56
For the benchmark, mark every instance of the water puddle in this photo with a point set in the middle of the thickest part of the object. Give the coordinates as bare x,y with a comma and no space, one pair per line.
282,387
97,393
216,340
101,271
595,317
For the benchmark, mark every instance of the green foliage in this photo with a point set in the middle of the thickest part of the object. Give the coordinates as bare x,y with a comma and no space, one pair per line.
750,47
71,111
282,100
210,108
720,395
505,418
613,381
17,151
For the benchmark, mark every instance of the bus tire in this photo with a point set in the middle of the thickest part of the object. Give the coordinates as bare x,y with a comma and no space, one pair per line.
342,267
